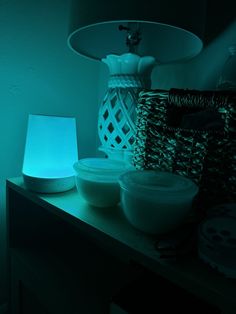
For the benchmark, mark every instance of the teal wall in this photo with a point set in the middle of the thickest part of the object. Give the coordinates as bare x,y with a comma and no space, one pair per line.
39,74
201,72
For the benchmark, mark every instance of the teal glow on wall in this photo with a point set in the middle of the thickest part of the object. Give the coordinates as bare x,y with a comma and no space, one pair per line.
39,74
51,147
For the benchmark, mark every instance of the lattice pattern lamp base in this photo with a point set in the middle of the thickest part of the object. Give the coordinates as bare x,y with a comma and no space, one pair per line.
117,115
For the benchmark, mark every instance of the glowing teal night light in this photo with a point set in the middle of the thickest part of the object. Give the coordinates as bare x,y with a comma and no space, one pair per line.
50,152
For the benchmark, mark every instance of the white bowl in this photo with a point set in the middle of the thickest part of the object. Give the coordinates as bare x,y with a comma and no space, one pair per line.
97,180
156,202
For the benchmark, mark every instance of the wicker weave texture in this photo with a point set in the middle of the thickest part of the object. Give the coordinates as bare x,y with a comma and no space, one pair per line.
207,156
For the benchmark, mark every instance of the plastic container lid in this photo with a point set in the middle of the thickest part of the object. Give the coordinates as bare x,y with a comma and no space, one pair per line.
153,183
220,230
217,244
102,168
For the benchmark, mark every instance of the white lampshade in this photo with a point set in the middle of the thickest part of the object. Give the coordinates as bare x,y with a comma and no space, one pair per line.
170,30
50,152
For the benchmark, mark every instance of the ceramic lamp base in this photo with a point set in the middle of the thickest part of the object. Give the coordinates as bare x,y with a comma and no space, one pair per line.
129,74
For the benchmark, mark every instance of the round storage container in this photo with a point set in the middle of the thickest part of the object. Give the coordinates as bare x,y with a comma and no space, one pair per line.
217,244
217,239
97,180
156,202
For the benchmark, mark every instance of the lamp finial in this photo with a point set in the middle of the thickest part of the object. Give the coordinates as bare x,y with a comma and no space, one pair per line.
133,36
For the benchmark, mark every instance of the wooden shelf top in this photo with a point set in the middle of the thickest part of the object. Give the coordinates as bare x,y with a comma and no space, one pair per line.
109,226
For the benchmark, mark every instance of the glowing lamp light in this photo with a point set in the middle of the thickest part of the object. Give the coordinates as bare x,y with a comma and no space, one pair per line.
50,152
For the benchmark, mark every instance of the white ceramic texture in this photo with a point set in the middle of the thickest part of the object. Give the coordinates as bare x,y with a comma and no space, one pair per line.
129,64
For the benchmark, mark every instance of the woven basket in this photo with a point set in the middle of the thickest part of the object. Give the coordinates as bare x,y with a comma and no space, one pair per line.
206,155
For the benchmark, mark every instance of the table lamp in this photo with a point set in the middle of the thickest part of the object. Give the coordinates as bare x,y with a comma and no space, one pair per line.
50,152
132,37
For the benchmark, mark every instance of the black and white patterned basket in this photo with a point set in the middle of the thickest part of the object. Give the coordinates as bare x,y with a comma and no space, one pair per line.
207,156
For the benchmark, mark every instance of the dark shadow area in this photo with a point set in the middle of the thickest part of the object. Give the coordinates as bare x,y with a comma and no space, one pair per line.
219,15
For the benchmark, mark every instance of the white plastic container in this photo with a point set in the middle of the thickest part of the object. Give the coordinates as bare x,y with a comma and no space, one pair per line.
97,180
217,239
156,202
